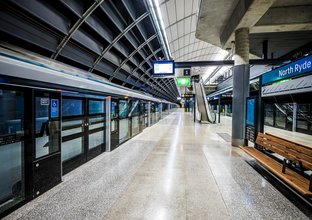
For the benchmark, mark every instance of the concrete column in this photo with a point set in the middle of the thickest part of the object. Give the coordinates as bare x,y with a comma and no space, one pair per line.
294,124
241,72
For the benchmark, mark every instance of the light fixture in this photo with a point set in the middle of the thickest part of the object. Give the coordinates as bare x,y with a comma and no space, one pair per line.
156,14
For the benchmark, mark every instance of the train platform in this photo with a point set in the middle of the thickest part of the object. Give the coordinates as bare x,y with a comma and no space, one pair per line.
175,169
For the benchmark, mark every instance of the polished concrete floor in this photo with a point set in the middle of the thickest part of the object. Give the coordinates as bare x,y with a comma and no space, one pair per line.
176,169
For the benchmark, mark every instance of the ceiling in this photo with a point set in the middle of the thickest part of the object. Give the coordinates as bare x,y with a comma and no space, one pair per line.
285,24
115,39
118,39
180,20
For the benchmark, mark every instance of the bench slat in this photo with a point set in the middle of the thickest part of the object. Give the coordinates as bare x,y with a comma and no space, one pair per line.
292,178
295,146
287,150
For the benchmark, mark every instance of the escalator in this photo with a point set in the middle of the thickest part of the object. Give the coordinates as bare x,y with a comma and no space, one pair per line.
203,111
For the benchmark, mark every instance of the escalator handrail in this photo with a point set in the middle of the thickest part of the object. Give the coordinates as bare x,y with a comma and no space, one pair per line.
206,102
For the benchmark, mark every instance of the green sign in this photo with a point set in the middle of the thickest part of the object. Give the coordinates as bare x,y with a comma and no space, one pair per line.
183,81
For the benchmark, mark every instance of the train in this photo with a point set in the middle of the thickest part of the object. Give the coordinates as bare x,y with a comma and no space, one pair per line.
55,117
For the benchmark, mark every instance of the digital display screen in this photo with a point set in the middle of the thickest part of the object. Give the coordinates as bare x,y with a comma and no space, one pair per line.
251,105
183,81
163,68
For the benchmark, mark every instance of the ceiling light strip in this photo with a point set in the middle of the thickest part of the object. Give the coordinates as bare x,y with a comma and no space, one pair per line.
157,17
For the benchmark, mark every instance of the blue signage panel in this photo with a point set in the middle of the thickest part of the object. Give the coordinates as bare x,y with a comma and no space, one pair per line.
54,108
287,71
251,104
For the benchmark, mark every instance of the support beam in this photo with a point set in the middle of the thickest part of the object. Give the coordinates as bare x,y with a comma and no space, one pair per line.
76,26
132,54
122,34
228,63
246,14
287,15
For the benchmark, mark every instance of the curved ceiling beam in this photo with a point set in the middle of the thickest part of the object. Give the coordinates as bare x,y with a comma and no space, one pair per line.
132,54
76,26
144,61
127,29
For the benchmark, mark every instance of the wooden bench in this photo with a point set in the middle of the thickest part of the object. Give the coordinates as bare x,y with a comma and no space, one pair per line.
293,153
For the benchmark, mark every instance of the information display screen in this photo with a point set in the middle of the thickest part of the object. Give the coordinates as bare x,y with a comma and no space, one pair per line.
163,68
251,105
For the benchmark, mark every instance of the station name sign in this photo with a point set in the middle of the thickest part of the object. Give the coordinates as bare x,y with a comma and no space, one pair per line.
289,70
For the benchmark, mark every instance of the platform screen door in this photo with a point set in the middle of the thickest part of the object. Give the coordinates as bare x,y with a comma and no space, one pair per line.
47,140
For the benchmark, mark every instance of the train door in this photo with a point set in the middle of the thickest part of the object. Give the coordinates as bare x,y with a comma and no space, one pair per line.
114,124
30,138
95,127
46,135
83,129
14,131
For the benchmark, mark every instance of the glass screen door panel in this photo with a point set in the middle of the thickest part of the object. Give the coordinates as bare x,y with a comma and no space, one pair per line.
73,138
96,138
11,148
47,139
114,124
73,129
96,125
47,128
135,123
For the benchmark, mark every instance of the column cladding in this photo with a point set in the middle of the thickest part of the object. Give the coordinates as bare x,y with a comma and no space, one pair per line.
241,72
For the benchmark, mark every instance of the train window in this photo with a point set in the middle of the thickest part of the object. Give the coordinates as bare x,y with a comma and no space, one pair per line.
135,108
45,128
269,114
114,110
96,107
72,107
280,119
123,108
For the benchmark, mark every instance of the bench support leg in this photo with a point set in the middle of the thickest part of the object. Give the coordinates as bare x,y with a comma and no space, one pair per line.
310,185
301,167
284,165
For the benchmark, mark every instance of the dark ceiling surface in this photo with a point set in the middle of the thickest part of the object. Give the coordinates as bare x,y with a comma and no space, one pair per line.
116,39
279,44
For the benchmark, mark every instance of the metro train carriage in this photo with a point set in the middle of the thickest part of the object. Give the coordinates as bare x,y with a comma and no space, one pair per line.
54,117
